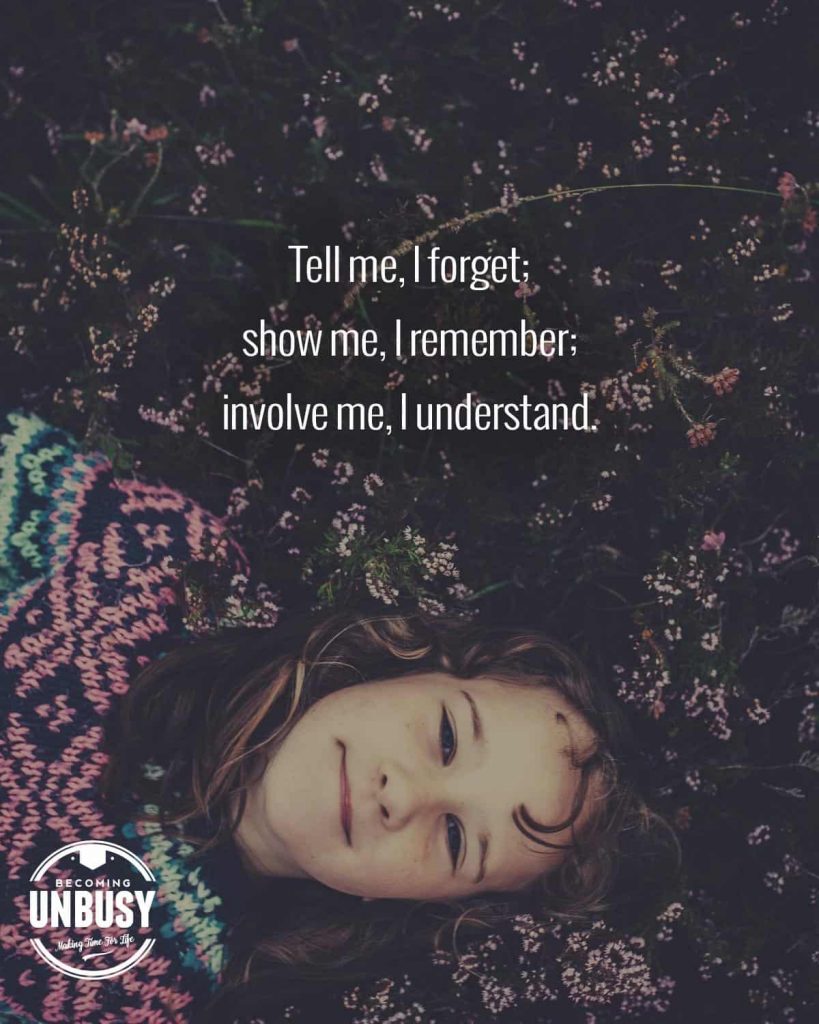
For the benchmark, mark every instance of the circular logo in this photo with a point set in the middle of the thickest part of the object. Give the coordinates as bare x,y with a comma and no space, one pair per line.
89,906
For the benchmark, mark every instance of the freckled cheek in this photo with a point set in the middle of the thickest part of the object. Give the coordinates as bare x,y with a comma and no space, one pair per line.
405,885
401,863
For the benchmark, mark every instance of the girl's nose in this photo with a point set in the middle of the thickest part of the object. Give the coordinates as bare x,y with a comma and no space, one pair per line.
401,795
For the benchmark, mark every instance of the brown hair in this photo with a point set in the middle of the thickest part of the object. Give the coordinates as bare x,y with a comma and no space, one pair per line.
206,711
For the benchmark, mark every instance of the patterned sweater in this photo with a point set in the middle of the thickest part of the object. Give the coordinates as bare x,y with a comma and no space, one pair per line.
86,599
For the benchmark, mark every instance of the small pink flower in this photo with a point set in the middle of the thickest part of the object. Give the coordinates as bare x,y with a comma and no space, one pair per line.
290,45
786,186
724,381
525,290
320,125
156,134
712,541
134,127
701,434
809,222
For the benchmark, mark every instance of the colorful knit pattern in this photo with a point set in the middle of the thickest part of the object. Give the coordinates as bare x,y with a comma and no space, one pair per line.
86,599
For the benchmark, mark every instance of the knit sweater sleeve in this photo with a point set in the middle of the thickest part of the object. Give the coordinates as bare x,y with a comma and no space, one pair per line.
88,562
37,462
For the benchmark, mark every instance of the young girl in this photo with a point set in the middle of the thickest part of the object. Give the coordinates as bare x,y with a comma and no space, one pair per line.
417,776
346,793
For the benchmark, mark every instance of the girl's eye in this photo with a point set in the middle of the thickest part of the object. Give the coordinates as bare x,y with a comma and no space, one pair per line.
453,839
448,744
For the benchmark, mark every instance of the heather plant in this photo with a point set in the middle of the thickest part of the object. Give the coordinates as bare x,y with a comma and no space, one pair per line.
652,166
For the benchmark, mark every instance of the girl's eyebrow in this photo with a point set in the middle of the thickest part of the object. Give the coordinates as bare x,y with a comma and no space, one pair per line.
483,841
561,720
477,722
480,738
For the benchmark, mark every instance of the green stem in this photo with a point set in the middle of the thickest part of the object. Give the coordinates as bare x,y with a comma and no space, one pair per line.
651,184
146,188
456,223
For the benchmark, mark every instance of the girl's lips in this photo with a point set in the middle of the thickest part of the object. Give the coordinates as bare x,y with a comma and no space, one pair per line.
345,802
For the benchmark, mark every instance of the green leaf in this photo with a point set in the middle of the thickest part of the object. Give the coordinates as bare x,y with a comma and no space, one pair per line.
15,209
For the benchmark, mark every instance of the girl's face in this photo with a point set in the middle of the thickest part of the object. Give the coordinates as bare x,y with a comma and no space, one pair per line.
404,788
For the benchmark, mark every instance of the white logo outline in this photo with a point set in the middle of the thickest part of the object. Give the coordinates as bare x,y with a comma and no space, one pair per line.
79,972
